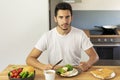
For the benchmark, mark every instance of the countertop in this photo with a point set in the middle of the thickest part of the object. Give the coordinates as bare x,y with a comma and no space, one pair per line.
114,36
108,63
82,76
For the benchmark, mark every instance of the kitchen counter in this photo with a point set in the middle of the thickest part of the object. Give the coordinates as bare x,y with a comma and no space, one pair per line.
114,36
82,76
108,63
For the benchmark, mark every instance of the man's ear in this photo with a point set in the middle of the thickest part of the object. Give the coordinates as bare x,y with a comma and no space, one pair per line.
55,19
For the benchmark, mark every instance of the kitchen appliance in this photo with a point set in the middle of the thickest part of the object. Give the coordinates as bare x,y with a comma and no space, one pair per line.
107,27
108,30
106,44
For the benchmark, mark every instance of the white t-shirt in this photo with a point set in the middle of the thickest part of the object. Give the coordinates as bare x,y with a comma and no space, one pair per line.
67,47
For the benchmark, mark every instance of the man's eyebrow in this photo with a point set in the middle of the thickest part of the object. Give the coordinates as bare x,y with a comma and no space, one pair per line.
65,16
61,16
68,16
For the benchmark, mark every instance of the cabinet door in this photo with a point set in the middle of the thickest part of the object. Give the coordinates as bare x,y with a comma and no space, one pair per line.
104,52
117,53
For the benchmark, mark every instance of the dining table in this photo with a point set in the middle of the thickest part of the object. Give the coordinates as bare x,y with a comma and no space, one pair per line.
81,76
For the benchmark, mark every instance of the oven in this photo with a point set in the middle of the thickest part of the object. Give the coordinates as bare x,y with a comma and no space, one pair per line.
108,51
106,46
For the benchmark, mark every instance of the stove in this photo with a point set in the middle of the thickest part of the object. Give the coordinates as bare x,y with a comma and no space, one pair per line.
104,37
106,44
96,32
102,32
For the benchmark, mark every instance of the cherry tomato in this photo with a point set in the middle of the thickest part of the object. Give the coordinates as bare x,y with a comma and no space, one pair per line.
19,70
18,76
15,74
14,71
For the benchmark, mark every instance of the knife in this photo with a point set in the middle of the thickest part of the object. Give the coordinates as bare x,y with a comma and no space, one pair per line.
57,63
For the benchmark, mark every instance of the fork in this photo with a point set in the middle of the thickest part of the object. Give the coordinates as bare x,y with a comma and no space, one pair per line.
57,63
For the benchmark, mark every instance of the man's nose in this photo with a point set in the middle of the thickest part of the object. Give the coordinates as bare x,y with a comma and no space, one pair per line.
65,20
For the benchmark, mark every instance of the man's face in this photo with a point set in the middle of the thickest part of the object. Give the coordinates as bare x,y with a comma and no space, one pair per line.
63,19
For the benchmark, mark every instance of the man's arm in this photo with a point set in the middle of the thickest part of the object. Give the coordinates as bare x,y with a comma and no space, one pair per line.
32,60
93,58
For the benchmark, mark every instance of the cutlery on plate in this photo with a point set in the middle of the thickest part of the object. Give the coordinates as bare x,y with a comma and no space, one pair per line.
57,63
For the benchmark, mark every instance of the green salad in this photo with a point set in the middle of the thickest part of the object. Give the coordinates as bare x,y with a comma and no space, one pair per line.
64,69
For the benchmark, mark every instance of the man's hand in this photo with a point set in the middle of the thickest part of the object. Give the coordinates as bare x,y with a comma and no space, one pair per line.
84,66
46,67
49,66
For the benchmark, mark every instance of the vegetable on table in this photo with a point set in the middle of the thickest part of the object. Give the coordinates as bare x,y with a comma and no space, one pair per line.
64,69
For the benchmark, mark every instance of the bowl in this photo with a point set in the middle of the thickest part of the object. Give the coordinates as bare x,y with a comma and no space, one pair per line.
29,76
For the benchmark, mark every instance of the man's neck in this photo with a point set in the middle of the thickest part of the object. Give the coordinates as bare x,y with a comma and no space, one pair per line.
63,32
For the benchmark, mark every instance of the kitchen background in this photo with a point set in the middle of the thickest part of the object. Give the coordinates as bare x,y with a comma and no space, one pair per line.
90,18
90,13
22,22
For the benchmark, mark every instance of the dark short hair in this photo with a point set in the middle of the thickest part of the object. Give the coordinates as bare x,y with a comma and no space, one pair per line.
63,6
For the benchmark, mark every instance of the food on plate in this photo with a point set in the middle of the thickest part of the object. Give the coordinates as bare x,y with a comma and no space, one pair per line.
70,73
67,71
64,69
69,67
103,73
24,72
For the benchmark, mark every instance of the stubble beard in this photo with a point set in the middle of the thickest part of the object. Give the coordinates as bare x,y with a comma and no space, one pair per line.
60,26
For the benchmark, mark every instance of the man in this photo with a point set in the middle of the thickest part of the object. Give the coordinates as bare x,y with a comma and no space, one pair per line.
63,42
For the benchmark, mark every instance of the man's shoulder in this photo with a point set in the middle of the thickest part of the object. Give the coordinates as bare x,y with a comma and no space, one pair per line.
50,32
76,29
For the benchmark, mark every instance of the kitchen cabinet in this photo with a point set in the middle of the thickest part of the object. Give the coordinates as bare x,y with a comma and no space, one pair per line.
97,5
117,53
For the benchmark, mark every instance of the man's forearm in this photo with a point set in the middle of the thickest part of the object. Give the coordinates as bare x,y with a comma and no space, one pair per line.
92,60
35,63
93,56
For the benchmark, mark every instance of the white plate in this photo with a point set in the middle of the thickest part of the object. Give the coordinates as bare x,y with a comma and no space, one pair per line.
72,73
111,76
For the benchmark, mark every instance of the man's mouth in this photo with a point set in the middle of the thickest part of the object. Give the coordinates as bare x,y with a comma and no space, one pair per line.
66,24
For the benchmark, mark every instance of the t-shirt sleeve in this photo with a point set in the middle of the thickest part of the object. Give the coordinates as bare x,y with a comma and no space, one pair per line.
86,43
42,43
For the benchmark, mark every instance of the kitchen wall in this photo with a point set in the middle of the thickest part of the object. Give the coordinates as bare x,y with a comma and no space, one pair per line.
51,9
89,13
22,22
97,5
87,19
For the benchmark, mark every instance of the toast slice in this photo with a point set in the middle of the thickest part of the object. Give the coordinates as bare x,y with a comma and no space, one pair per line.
103,73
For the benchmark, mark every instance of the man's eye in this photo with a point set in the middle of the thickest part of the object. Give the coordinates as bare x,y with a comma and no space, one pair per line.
67,17
60,17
